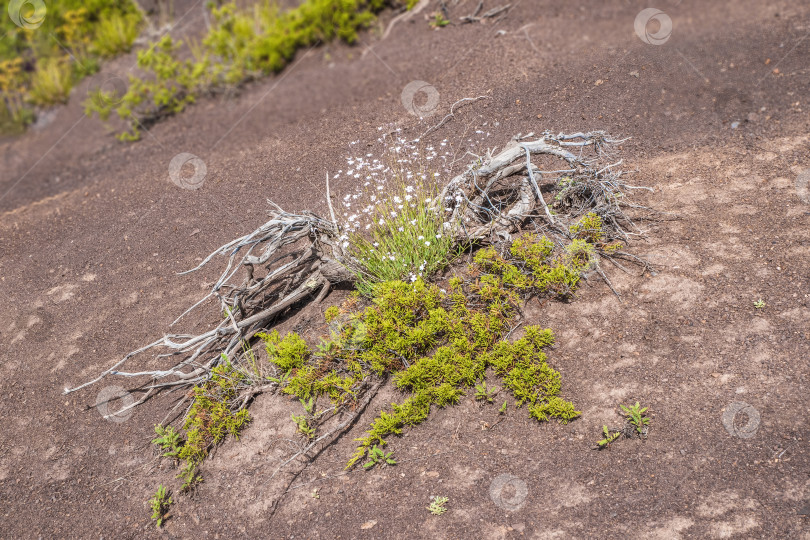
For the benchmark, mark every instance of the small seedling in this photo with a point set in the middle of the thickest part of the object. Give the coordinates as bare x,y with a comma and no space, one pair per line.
438,21
482,393
315,494
609,438
759,304
378,457
502,410
309,406
169,441
635,415
437,505
303,426
189,475
160,503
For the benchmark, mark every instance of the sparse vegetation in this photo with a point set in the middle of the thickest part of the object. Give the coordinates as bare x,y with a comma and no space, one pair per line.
242,44
438,505
434,336
438,20
40,65
483,393
610,436
636,424
160,503
635,415
759,304
376,456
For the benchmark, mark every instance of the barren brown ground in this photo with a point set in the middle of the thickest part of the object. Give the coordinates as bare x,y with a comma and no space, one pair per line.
91,232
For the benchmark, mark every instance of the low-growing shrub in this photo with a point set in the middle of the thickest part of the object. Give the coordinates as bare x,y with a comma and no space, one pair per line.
242,44
40,65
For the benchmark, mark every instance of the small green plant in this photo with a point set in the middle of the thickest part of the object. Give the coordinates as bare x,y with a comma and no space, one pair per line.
609,437
169,441
302,424
635,415
482,393
377,456
160,503
331,313
437,505
502,410
588,228
309,406
115,33
438,21
759,304
52,81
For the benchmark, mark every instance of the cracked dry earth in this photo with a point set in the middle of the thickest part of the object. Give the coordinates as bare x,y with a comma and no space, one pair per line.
92,236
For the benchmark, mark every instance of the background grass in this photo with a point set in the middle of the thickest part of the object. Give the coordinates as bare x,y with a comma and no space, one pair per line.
39,66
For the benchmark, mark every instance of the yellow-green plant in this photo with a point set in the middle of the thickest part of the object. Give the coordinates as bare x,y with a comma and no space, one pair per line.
242,44
52,81
64,47
159,503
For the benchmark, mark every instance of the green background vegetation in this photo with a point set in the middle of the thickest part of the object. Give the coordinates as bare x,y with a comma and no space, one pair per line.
39,66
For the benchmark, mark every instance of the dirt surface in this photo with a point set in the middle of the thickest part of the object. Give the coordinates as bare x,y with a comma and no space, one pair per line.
92,231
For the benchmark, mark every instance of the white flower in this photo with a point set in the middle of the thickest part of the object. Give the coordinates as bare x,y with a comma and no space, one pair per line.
408,197
401,229
381,222
376,244
438,235
427,244
397,199
420,237
345,245
368,226
409,189
393,214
